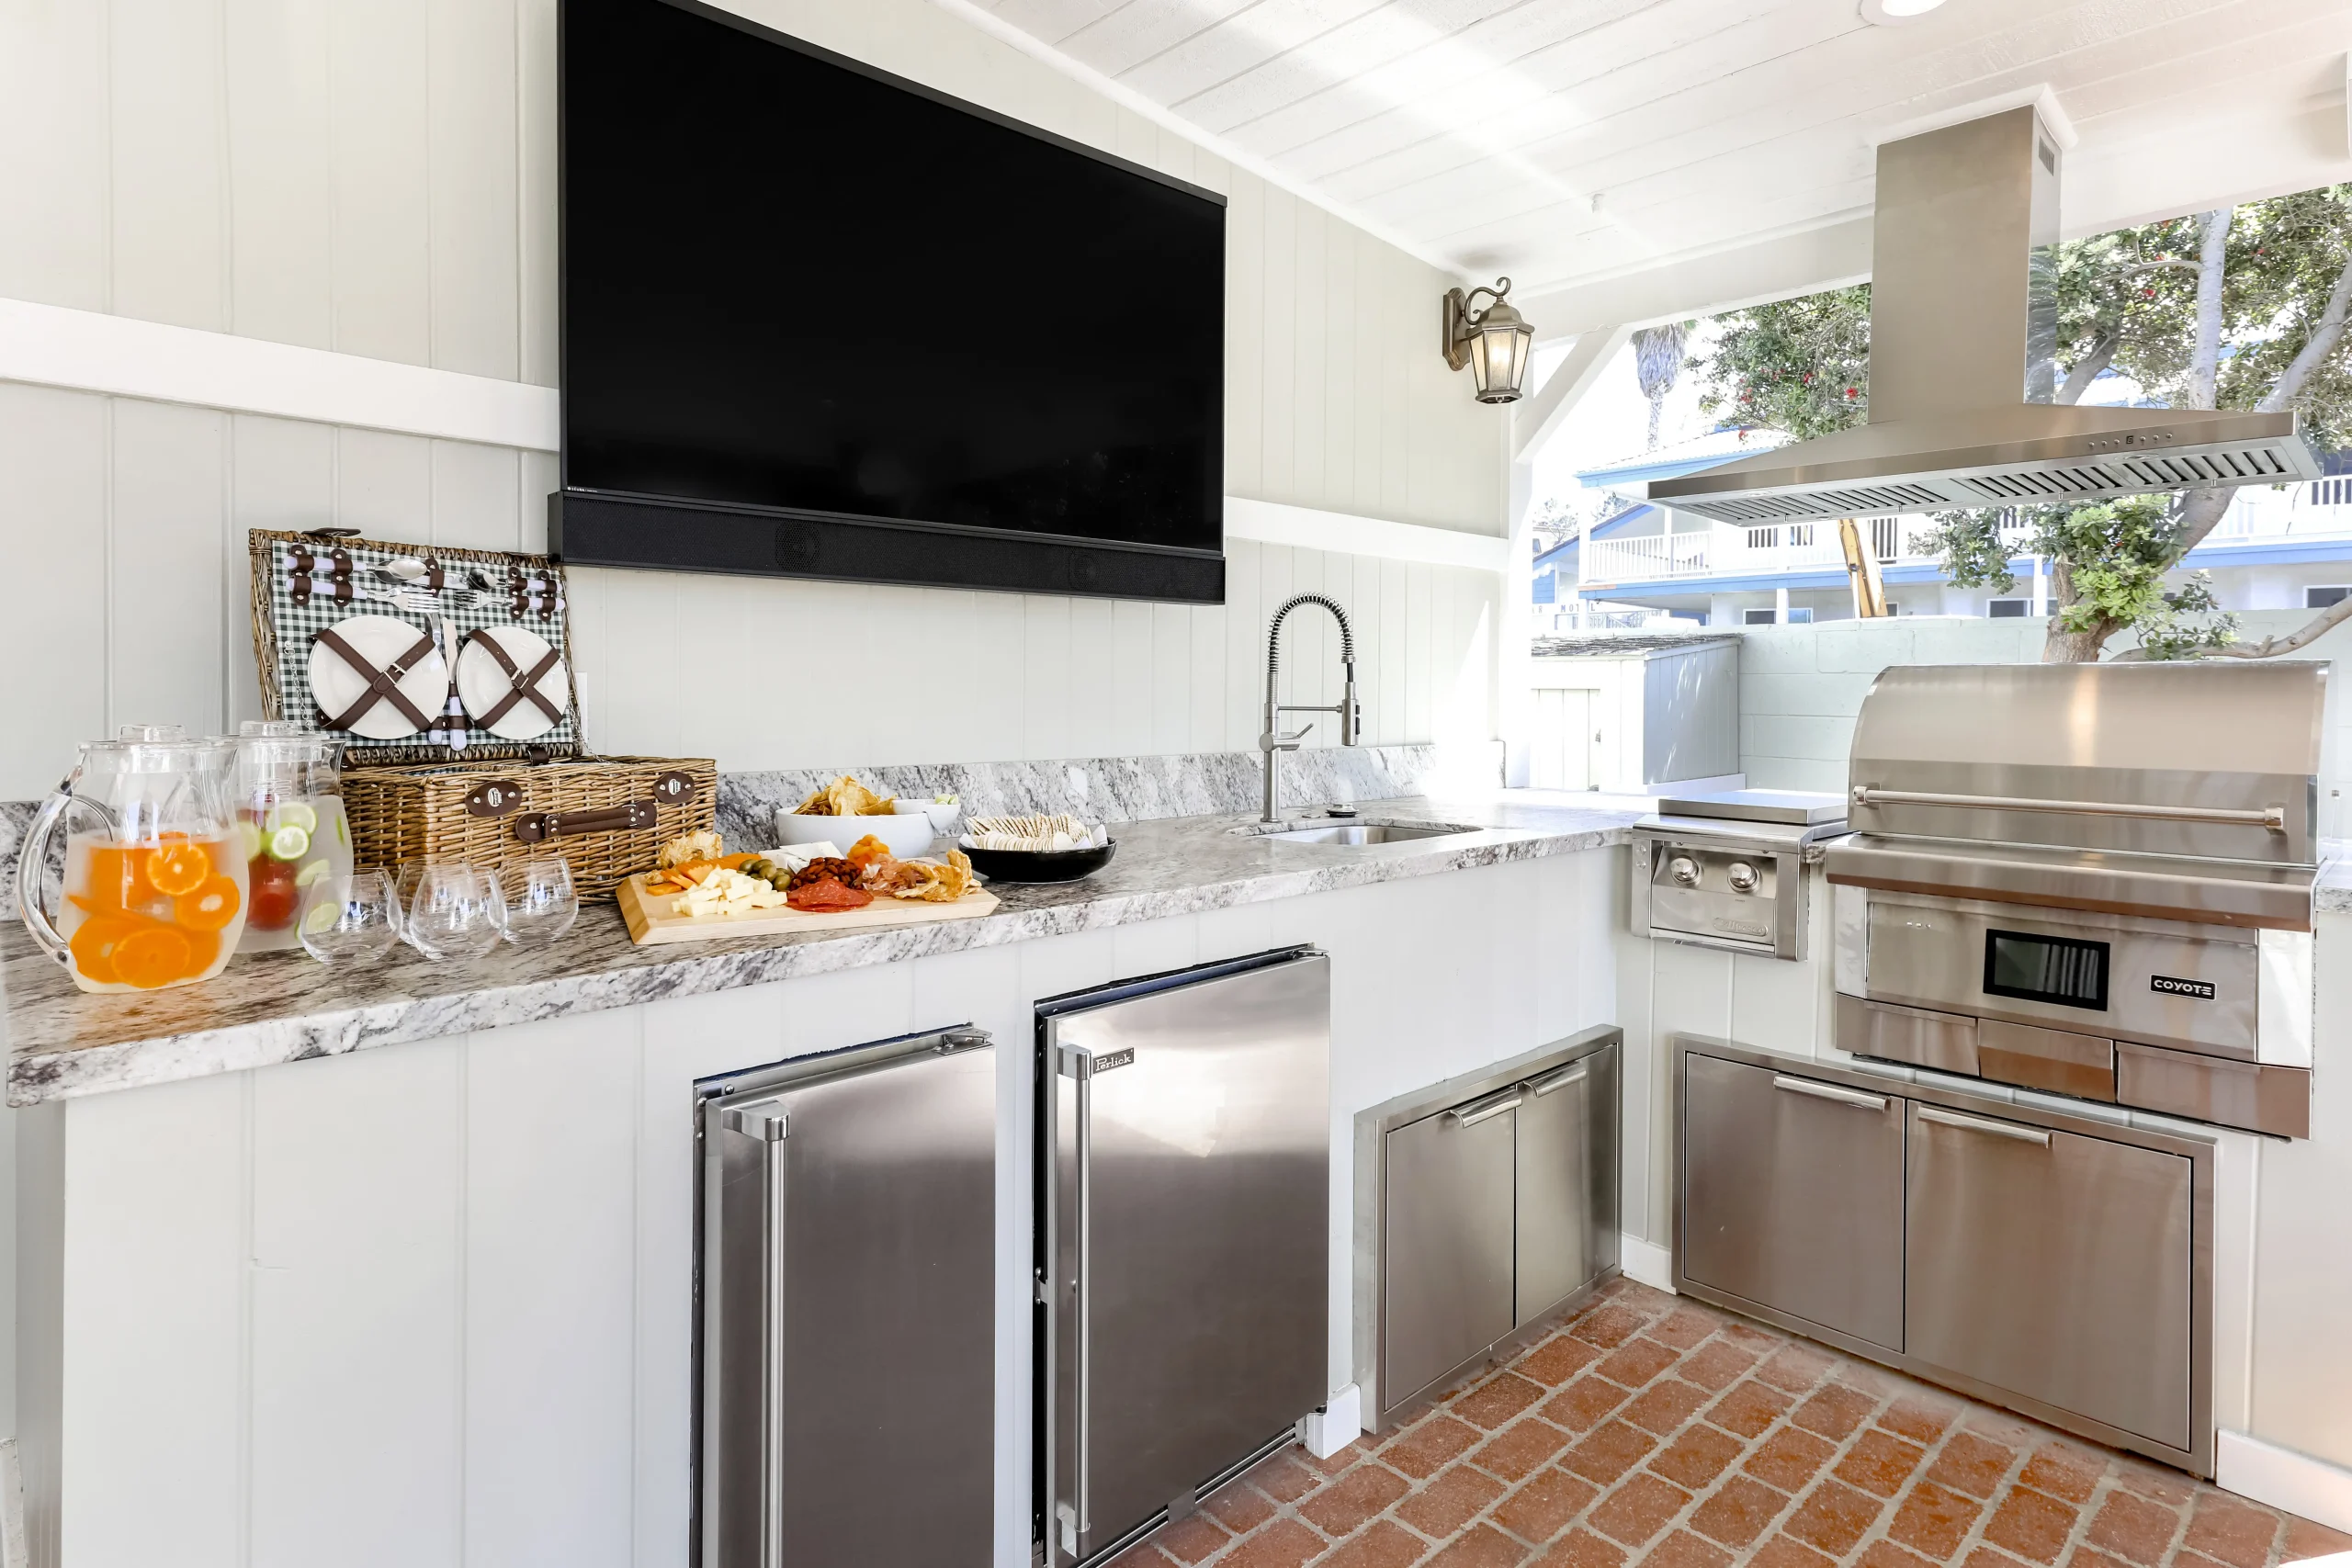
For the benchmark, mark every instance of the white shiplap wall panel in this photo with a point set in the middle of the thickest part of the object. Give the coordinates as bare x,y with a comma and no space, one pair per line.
377,178
170,222
471,97
53,492
167,484
55,70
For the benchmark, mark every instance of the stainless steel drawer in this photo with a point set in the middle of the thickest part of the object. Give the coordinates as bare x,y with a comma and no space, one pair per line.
2054,1059
2235,1094
1939,1040
1793,1196
2053,1265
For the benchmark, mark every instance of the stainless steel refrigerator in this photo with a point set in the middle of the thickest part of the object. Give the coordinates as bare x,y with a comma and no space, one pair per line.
848,1288
1184,1132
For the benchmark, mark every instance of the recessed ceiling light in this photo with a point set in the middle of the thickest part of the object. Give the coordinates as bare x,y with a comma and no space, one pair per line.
1896,13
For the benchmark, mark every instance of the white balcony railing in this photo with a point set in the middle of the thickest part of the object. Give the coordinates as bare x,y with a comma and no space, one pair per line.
2318,510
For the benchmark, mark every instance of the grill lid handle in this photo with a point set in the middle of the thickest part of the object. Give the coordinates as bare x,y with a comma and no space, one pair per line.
2273,817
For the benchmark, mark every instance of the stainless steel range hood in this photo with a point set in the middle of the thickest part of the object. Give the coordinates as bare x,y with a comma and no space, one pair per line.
1963,329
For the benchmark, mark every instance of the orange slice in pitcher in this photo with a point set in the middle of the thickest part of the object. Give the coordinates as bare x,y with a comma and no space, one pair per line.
203,947
152,956
178,868
117,877
211,905
93,944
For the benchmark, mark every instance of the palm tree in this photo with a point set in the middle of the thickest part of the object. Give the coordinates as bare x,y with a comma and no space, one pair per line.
1658,361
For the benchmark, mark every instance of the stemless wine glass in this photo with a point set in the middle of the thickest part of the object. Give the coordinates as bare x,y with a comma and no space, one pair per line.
457,910
541,902
354,918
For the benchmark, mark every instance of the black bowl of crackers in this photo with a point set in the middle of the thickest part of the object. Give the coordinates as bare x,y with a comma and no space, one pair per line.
1036,848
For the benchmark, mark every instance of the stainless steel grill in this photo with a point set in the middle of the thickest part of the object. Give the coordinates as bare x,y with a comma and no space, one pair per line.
2093,880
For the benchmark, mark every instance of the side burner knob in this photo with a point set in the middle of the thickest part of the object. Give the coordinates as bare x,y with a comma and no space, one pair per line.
1741,875
1684,869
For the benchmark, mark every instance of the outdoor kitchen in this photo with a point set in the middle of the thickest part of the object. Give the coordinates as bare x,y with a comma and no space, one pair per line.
756,855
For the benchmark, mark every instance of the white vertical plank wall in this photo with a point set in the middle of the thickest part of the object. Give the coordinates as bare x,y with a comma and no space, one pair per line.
431,1304
377,178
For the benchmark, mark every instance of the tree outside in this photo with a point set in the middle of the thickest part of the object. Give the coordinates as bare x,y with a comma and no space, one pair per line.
2240,308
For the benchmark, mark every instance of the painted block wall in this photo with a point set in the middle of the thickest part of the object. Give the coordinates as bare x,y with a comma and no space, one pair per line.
377,179
504,1220
1800,687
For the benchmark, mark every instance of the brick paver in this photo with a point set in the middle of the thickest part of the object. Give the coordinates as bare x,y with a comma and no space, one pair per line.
1646,1430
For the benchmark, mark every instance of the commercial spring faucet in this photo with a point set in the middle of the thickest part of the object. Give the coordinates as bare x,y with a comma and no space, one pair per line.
1272,740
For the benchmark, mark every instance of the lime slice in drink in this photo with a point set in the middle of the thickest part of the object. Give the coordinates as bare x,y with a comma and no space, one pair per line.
294,814
248,840
342,832
289,842
321,918
313,874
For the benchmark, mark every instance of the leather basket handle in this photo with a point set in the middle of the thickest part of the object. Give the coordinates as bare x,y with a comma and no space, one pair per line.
533,826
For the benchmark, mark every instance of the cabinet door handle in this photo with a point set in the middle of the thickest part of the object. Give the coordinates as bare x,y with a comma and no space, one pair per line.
1485,1110
1854,1098
1561,1079
1973,1124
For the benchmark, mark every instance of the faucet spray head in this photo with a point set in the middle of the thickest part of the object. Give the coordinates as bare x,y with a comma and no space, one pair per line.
1351,715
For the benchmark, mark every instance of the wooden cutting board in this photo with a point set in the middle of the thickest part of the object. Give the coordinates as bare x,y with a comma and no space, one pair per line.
651,921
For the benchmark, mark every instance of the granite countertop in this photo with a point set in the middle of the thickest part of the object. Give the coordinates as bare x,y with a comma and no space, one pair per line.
285,1007
2331,893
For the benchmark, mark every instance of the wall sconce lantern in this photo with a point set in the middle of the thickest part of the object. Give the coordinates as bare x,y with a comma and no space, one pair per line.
1493,341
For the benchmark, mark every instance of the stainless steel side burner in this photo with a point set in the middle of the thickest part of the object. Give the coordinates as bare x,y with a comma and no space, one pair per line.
2093,880
1727,868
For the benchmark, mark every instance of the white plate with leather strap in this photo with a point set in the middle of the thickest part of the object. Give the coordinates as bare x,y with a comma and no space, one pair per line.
403,702
520,697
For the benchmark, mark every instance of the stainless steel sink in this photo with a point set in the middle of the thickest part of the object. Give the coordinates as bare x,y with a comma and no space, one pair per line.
1360,833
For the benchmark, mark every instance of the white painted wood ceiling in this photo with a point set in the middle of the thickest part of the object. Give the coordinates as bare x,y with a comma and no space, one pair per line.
1565,140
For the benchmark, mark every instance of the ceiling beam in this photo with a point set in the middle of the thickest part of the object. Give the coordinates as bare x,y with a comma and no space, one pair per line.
1777,268
1533,420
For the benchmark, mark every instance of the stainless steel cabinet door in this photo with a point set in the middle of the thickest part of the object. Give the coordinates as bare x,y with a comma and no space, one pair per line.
849,1340
1793,1196
2053,1265
1567,1181
1446,1261
1190,1225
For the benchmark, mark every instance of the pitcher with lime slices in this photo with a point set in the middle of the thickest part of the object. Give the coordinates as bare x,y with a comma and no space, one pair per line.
291,828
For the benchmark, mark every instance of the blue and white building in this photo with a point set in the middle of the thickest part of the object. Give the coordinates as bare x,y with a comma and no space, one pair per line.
2287,547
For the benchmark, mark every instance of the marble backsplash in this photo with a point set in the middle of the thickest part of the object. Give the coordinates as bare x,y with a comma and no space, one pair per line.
1120,789
1108,789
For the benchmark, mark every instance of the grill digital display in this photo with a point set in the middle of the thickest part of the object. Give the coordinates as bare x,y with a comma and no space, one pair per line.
2064,970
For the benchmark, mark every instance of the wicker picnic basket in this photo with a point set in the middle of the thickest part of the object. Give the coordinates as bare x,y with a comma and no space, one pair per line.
453,789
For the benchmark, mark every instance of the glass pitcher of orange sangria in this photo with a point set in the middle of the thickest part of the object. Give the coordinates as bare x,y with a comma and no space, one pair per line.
155,886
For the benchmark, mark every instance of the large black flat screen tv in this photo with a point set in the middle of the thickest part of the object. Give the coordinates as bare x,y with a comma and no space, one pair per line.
820,321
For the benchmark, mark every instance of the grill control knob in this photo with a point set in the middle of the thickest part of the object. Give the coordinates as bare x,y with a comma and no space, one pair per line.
1684,869
1741,875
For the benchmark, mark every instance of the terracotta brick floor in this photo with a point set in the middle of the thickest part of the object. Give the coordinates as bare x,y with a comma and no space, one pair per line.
1656,1430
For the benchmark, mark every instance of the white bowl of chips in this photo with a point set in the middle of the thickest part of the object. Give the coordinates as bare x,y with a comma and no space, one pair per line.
906,830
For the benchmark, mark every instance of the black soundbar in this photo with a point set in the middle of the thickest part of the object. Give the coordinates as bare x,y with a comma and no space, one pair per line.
590,528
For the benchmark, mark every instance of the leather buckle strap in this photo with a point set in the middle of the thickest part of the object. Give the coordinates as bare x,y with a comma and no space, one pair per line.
383,685
521,685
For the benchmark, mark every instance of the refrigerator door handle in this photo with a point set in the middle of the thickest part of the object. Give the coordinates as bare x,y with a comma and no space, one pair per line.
1077,1065
765,1120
